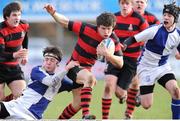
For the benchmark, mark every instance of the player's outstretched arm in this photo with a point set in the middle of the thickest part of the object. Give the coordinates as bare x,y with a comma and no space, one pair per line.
127,42
61,19
55,79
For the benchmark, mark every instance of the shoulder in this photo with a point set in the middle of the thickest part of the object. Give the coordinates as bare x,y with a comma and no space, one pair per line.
3,25
148,13
36,69
137,15
79,26
156,27
117,13
90,25
80,23
114,37
24,24
151,18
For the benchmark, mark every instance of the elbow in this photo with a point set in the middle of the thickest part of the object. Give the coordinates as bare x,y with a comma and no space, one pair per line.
120,65
177,57
119,62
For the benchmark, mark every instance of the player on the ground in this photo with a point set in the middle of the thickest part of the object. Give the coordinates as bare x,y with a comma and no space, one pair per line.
43,86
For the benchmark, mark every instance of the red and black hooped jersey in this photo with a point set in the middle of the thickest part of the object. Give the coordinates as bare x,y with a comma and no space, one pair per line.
11,40
129,26
150,18
88,40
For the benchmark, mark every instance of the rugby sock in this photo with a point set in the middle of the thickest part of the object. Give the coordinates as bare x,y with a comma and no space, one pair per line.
175,107
106,104
68,112
131,100
85,100
8,98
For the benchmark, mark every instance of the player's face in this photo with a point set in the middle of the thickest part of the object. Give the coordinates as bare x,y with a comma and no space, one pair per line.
14,18
126,7
50,64
168,20
140,6
104,31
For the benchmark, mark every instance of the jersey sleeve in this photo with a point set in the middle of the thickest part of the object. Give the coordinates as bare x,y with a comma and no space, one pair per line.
147,34
25,25
25,41
38,75
76,26
55,79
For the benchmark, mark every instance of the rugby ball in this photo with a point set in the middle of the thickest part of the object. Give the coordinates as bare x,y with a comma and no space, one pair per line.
109,43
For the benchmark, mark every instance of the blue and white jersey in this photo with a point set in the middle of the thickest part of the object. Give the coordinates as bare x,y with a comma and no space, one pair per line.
40,91
159,44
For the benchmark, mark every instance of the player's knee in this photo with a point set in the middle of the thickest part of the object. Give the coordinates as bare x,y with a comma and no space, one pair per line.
91,81
109,87
135,85
146,105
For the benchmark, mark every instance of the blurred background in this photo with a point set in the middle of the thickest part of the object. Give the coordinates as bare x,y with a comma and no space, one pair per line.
44,31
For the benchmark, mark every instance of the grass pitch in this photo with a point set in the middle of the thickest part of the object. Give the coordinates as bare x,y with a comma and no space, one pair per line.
161,108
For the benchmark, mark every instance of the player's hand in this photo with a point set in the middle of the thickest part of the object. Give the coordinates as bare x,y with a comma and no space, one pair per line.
15,96
177,55
124,47
101,50
23,61
22,53
50,9
71,64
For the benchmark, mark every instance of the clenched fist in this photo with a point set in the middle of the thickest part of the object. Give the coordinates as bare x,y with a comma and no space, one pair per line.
50,9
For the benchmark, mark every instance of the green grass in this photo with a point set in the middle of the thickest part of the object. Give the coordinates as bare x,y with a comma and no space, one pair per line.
159,110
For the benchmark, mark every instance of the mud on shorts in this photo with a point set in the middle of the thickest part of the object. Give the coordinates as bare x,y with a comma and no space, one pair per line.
125,74
10,73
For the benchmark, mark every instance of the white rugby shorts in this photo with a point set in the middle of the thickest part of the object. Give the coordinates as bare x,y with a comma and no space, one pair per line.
18,111
149,75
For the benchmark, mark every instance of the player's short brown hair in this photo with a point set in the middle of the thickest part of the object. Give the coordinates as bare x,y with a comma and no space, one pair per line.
13,6
53,52
106,19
